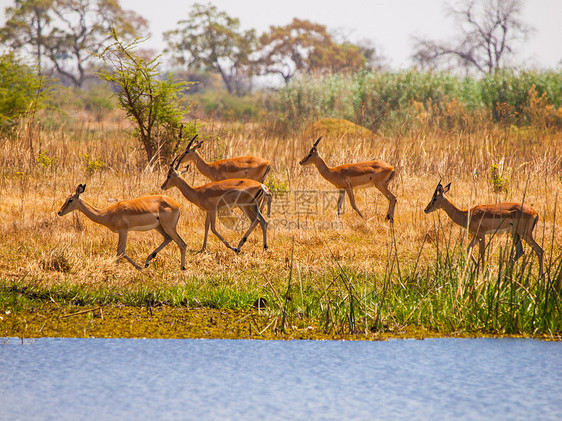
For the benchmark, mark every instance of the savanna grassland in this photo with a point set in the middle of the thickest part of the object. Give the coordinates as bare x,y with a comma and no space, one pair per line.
322,277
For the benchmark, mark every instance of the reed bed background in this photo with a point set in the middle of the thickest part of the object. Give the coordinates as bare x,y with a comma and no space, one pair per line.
337,275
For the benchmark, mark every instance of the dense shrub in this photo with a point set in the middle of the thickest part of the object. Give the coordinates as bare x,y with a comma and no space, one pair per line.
390,100
21,90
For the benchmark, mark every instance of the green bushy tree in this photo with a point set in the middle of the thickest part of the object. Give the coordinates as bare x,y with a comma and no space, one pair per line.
153,105
21,90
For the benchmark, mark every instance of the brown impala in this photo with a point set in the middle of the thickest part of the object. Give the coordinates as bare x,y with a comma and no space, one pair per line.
349,176
244,193
515,218
142,214
250,167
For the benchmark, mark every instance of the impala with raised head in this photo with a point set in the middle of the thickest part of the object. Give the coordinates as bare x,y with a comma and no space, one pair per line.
243,193
160,213
350,176
250,167
518,219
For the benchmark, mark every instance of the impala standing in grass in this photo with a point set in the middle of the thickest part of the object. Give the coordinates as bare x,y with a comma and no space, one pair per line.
244,193
250,167
142,214
350,176
515,218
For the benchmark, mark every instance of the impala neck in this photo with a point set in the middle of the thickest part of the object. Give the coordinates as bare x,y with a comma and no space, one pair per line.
96,215
323,169
189,192
204,167
458,216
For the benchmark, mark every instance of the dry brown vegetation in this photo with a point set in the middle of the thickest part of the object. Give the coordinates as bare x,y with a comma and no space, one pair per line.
40,245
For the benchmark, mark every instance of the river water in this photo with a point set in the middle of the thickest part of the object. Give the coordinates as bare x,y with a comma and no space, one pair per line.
106,379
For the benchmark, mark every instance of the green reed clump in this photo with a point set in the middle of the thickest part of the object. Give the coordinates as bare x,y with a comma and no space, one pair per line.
382,100
450,296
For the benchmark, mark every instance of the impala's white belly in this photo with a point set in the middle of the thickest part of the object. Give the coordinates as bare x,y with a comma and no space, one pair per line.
146,227
501,230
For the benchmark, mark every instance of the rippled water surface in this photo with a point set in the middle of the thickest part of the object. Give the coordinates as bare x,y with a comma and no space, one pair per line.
224,379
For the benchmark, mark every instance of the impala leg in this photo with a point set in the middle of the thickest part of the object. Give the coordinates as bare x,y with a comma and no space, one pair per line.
171,229
181,244
121,249
469,248
518,247
213,216
341,198
254,215
207,224
391,199
538,249
164,243
267,198
482,248
351,195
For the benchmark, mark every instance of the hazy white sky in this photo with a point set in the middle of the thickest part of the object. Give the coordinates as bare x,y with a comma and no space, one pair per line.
388,24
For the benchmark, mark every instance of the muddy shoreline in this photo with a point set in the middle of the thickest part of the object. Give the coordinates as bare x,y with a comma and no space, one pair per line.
170,322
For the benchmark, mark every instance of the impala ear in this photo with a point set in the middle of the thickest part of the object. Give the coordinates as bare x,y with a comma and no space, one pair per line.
80,189
447,187
198,145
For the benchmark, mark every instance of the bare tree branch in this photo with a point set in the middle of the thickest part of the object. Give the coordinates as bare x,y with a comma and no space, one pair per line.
489,32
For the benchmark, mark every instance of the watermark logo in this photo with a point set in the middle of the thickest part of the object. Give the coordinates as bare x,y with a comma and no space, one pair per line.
290,210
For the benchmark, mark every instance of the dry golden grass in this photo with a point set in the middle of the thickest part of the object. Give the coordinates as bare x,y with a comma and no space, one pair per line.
46,249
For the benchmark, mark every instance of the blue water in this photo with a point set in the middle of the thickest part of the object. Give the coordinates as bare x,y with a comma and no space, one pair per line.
104,379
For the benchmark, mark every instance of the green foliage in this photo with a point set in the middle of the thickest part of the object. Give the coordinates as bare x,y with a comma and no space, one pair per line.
212,40
499,183
376,100
92,165
153,105
506,93
68,33
21,90
99,101
276,186
227,106
44,161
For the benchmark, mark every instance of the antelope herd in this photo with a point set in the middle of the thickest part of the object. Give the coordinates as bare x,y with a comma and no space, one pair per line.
239,182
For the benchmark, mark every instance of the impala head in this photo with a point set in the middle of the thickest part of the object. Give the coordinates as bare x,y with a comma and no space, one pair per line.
190,151
312,154
173,173
72,200
437,199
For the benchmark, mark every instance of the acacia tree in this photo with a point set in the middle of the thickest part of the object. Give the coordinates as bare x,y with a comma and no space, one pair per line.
212,40
306,47
153,105
68,33
489,32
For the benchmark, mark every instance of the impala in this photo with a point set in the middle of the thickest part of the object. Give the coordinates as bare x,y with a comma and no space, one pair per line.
515,218
349,176
244,193
142,214
250,167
